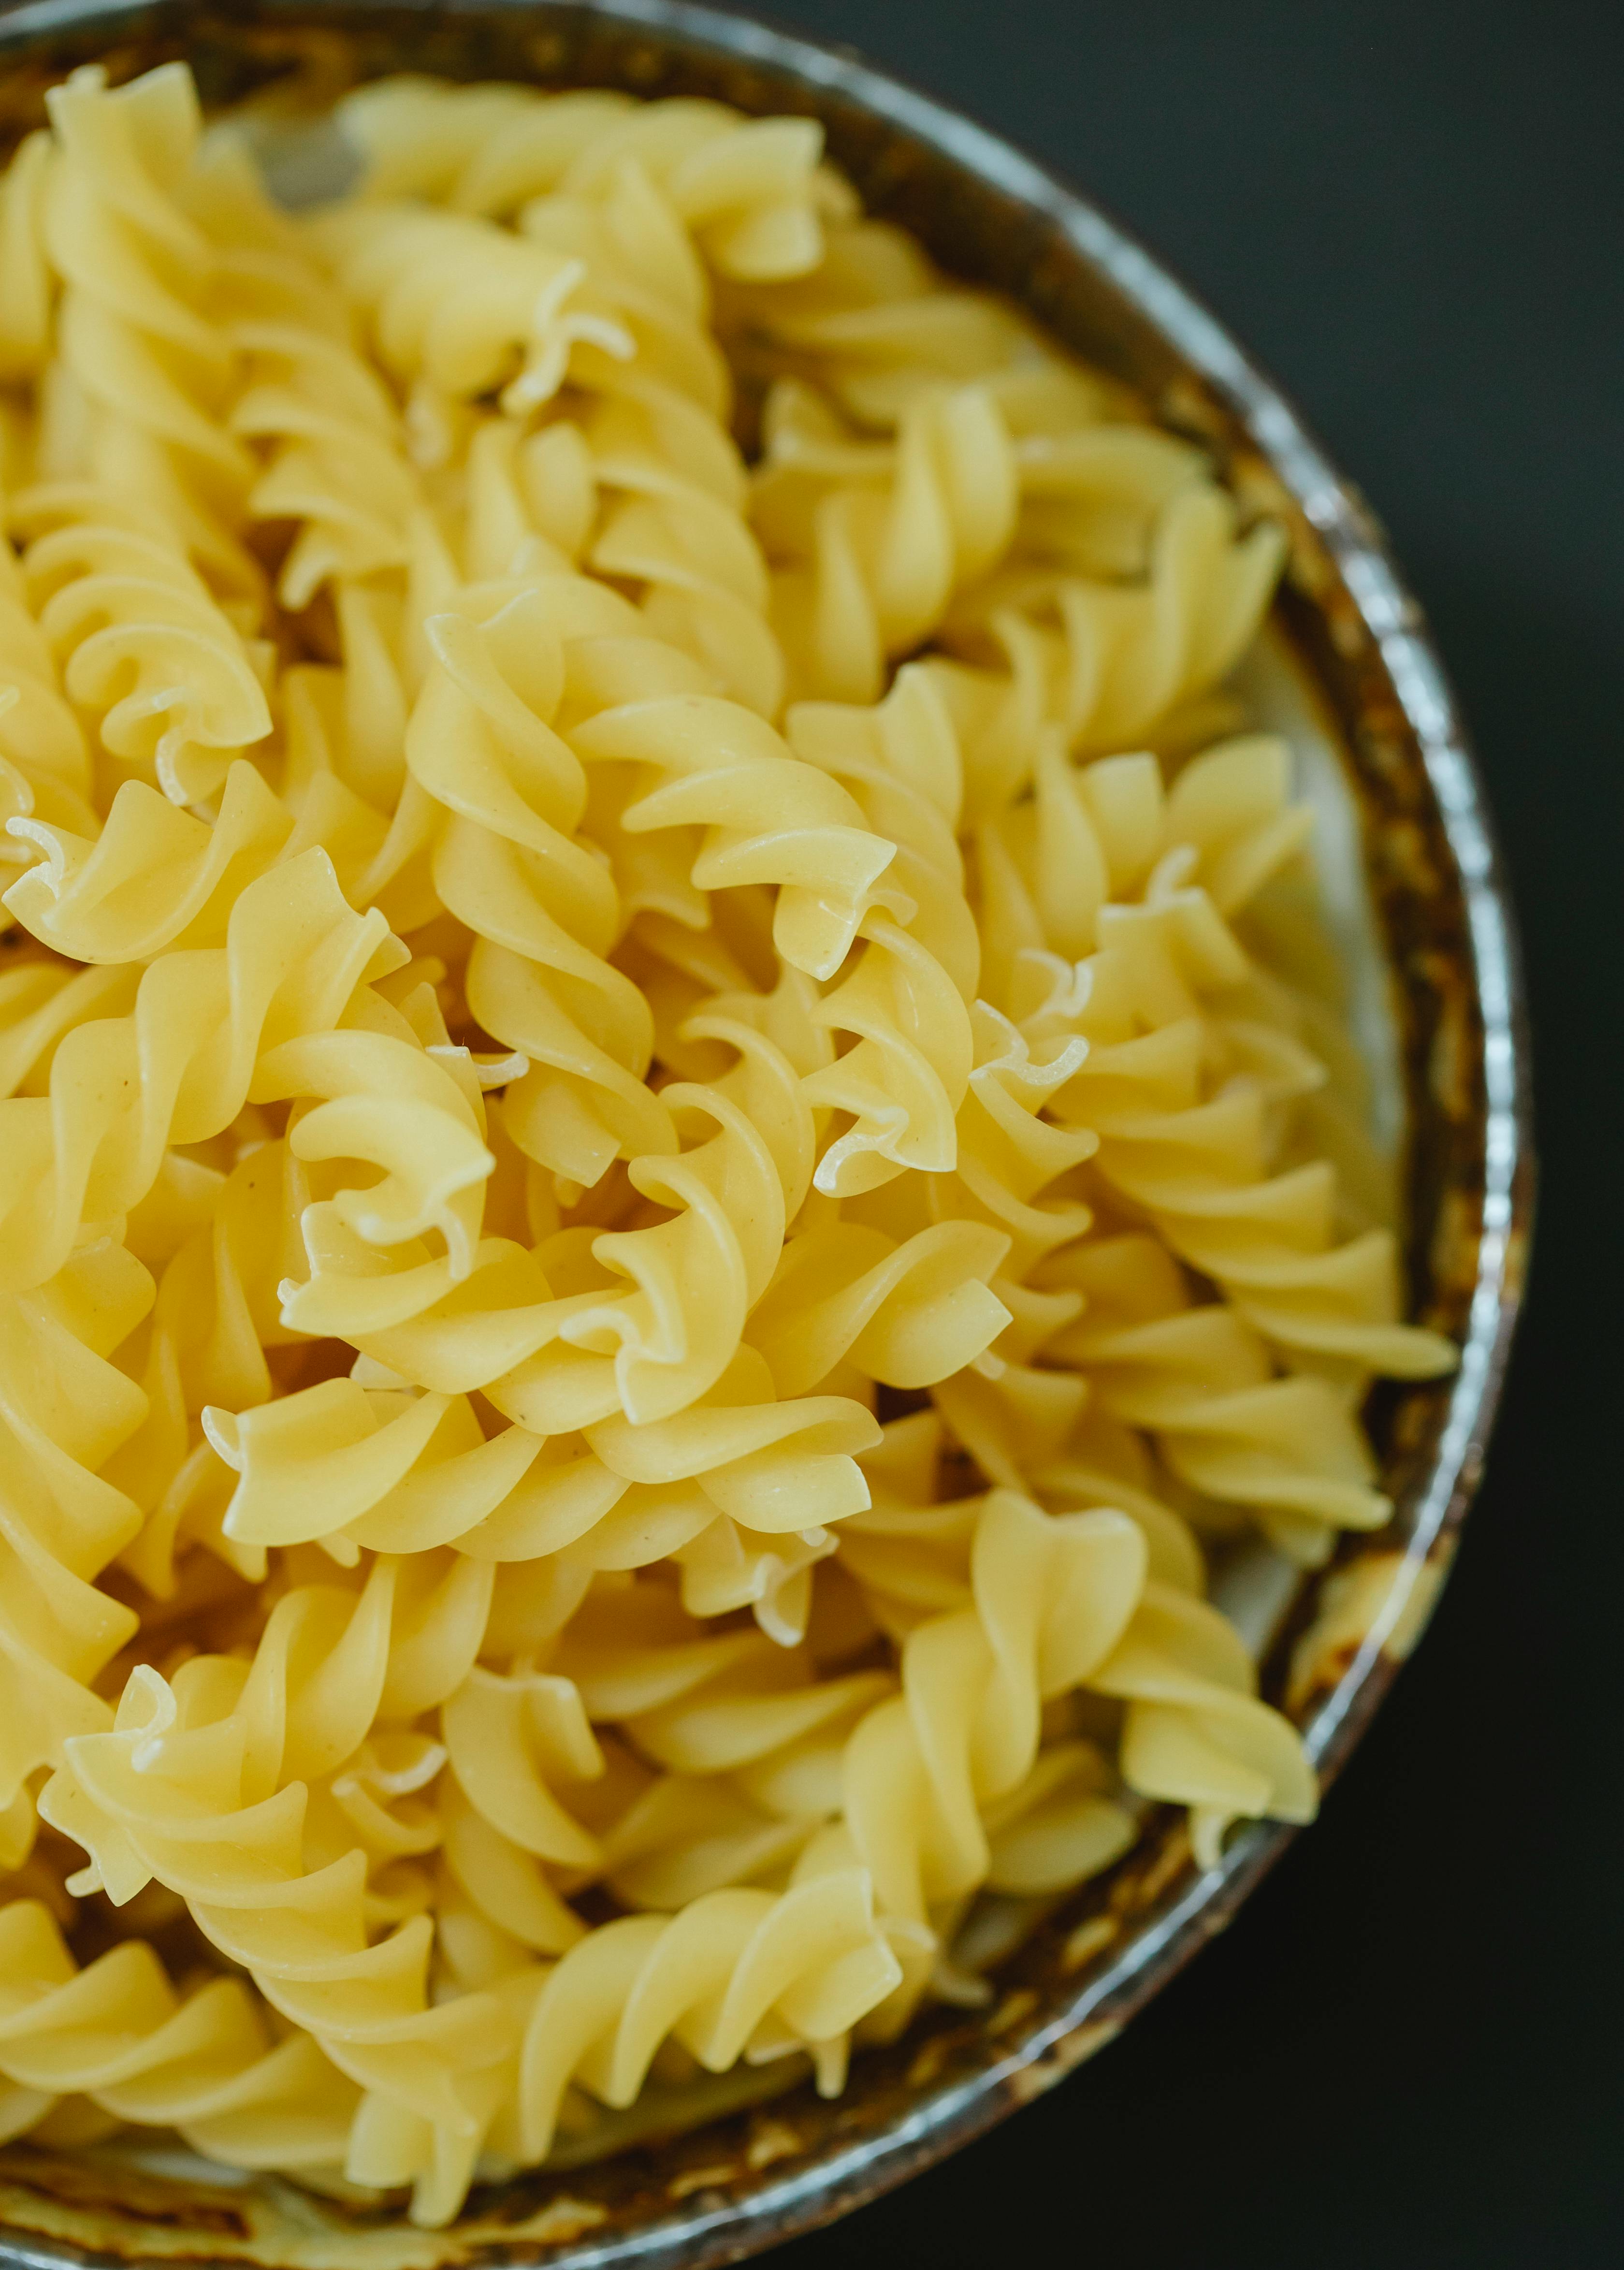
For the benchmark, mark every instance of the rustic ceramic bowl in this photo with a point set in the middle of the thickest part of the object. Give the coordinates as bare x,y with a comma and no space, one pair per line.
1365,688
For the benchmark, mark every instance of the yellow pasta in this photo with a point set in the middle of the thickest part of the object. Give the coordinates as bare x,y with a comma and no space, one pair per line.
144,647
117,2033
663,1200
751,191
140,373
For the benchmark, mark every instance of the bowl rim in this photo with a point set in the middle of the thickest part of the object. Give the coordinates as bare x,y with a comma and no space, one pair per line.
693,2233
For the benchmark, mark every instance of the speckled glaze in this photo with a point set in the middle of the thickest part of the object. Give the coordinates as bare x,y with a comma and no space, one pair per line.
759,2173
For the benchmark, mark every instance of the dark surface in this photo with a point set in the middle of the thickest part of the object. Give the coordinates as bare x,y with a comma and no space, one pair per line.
1409,2051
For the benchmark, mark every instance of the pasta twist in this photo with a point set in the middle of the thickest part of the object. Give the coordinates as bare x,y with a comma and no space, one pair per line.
530,502
40,999
903,1080
509,862
65,1411
1010,1157
510,1739
1050,1599
552,1336
900,761
766,818
703,1703
740,1501
387,1472
1268,1241
201,1784
1199,1380
1201,1171
1107,663
178,1067
738,1972
466,308
214,1328
379,1097
145,375
674,526
1183,1099
144,647
654,394
1189,1142
670,482
142,643
751,191
1195,1732
738,1492
1094,843
848,1296
337,465
151,877
874,326
45,769
687,1835
867,567
118,2033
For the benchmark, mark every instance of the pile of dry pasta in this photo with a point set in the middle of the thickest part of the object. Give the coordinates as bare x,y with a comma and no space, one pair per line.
677,1156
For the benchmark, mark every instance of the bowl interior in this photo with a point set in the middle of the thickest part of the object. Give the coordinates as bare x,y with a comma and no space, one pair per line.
1408,866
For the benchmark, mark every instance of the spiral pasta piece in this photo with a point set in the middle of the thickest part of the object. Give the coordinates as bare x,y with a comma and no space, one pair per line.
65,1411
735,1972
40,999
902,1082
199,1786
867,568
669,482
118,2033
376,1469
766,818
151,876
685,1835
875,324
145,373
1183,1099
1195,1732
651,441
1199,1380
144,646
1051,1597
178,1067
751,191
1189,1141
465,307
337,465
1106,663
557,1338
900,760
1201,1171
510,865
673,489
1096,842
45,769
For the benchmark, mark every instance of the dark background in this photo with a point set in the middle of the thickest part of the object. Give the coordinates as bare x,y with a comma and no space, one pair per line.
1407,2050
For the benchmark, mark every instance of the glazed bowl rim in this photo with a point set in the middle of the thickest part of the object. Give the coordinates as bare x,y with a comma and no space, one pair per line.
694,2233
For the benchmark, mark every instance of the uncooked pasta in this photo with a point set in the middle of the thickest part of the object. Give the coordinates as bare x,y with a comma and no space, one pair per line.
666,1179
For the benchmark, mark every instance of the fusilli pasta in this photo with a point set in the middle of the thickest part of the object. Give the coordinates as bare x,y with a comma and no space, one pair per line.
674,1160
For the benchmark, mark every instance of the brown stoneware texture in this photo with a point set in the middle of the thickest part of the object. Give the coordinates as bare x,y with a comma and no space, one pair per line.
760,2172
